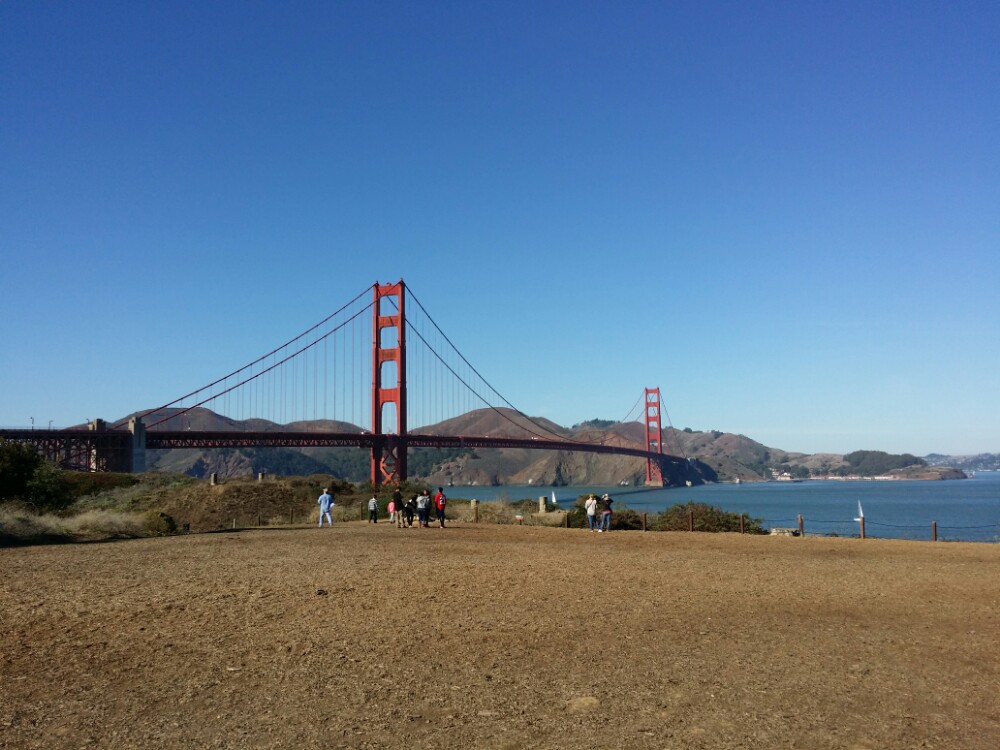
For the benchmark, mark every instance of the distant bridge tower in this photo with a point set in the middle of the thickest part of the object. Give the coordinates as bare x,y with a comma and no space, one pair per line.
389,385
654,437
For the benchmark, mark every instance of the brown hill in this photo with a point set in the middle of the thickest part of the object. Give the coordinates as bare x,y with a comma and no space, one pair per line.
712,455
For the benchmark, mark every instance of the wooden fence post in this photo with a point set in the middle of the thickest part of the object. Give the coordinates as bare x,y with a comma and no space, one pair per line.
861,523
690,520
933,531
643,521
742,526
802,526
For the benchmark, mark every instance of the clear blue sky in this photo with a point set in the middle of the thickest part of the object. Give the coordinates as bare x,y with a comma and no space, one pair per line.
786,215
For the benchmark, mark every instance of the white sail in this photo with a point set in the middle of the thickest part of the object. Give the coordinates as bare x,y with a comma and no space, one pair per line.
554,501
861,512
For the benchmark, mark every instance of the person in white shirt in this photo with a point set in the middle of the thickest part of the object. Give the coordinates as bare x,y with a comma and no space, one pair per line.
591,506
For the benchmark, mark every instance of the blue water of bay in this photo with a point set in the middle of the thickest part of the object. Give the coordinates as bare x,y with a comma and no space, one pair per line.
964,509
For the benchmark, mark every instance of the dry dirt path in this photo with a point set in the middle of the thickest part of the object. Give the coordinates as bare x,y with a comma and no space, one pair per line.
499,637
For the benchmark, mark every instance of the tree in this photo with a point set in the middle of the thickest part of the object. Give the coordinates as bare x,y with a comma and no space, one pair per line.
18,462
26,476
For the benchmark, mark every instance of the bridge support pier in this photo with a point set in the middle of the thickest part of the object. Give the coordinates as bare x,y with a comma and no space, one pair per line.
138,430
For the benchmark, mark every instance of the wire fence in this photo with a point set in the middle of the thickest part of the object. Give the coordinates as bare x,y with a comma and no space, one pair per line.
868,529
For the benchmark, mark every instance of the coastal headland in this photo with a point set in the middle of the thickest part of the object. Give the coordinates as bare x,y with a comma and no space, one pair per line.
499,637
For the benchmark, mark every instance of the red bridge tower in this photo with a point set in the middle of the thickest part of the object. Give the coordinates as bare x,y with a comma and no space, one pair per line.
388,393
654,437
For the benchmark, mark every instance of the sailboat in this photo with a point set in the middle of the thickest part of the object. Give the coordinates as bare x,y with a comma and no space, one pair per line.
554,501
861,512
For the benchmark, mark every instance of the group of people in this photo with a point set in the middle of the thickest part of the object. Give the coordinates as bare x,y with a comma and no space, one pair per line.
598,506
421,504
400,513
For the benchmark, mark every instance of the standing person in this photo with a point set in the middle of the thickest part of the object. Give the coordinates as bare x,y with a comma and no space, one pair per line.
326,504
373,511
423,508
397,503
591,506
409,509
440,501
392,512
606,512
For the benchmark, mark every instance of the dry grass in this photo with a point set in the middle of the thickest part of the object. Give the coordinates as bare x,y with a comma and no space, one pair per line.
498,636
19,526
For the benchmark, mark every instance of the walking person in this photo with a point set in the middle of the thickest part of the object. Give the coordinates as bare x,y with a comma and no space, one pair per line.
373,511
409,508
326,504
423,508
392,512
440,501
605,512
591,506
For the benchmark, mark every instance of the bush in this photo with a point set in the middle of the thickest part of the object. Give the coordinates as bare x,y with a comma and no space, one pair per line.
18,462
48,489
626,519
159,524
706,518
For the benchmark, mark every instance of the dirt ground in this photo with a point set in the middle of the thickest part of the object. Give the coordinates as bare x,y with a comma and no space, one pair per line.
486,636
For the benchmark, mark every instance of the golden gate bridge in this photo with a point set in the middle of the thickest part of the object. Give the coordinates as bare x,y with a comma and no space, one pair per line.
361,377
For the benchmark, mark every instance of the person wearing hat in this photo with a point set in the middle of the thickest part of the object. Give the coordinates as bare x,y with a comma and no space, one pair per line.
605,512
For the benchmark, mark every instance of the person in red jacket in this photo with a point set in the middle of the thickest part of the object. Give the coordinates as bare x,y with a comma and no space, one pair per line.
439,502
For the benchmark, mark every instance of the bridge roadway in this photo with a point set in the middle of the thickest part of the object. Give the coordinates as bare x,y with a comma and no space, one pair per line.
71,447
229,439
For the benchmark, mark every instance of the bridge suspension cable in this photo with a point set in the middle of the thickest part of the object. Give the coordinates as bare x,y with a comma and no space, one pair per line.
542,430
282,396
324,373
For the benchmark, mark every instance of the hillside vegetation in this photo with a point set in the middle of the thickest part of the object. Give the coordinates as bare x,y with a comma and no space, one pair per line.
712,455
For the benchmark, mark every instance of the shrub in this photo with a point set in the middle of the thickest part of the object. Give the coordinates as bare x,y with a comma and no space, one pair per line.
159,524
706,518
48,489
626,519
18,462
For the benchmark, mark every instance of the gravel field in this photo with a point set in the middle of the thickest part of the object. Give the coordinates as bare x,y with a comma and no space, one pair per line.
486,636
